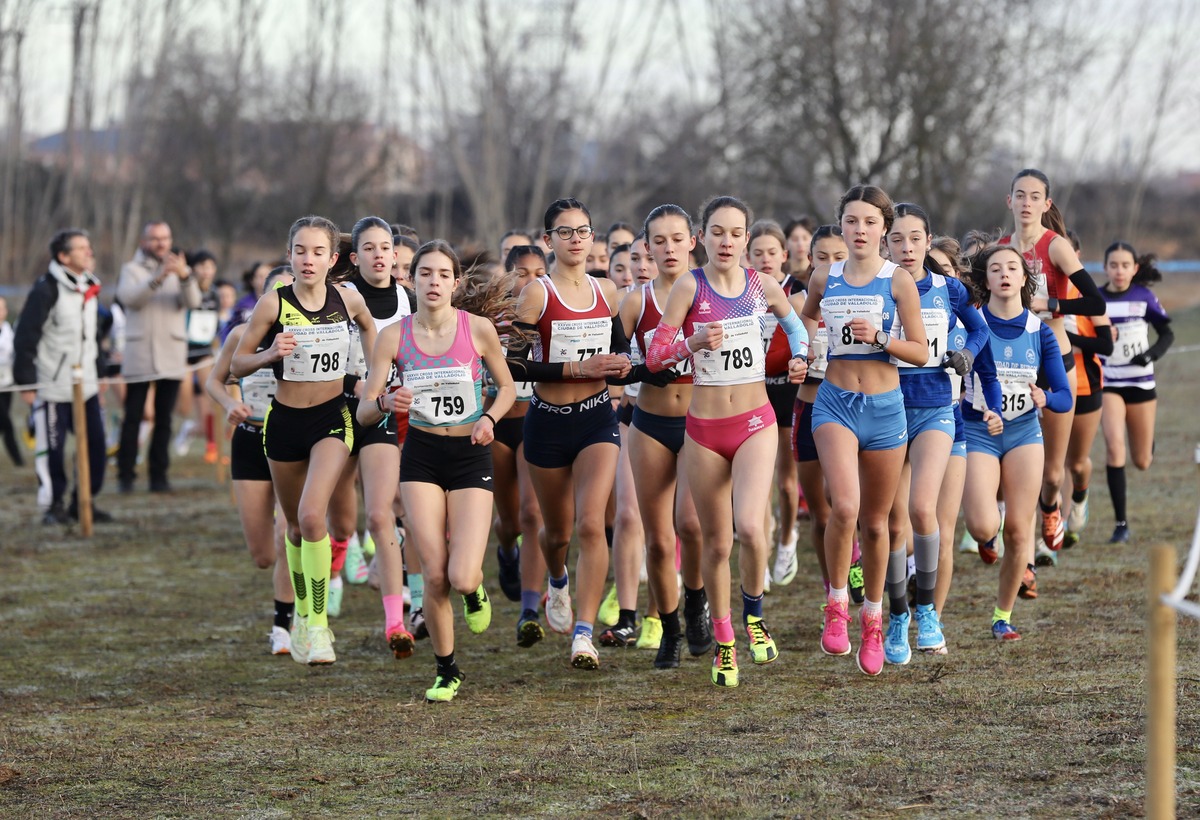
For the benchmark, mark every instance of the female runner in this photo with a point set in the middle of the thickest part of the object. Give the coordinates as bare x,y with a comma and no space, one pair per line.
571,435
250,471
302,332
1007,453
655,442
446,473
858,417
1040,236
1130,398
930,419
730,427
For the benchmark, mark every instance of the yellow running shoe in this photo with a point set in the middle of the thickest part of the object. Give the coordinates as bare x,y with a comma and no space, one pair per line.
762,645
477,610
444,689
610,610
651,637
724,666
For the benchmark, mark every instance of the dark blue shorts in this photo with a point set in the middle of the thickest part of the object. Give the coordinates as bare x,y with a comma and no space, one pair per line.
666,430
555,434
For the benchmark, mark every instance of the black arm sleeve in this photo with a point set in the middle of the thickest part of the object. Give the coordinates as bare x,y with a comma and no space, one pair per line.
618,342
520,365
1166,337
1089,302
28,333
1100,344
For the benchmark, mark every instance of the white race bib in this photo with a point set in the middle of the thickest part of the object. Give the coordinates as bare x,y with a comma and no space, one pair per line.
441,395
838,311
936,331
1133,337
740,358
320,354
1015,392
574,340
769,322
819,344
202,326
257,391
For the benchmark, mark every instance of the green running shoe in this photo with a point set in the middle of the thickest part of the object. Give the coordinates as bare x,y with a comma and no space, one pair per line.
477,610
610,609
444,688
762,645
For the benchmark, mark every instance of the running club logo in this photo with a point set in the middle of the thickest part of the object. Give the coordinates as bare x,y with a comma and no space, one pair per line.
754,424
1030,356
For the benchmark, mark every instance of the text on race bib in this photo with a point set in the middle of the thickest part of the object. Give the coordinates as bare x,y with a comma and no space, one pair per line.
320,354
574,340
739,359
257,391
839,311
441,395
1133,338
936,331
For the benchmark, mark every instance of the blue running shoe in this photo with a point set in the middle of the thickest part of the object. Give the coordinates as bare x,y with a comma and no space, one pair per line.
895,646
929,629
1004,631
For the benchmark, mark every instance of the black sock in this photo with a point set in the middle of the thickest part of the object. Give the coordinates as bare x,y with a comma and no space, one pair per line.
1116,488
283,614
1077,495
608,536
1046,507
692,598
670,622
627,617
447,667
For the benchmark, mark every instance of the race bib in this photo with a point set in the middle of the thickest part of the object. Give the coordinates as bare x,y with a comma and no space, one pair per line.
683,368
740,358
442,395
257,391
202,326
574,340
320,354
356,358
838,312
936,330
1133,338
819,344
769,322
1015,392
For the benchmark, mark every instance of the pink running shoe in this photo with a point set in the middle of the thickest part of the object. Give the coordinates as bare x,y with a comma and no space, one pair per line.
870,651
835,639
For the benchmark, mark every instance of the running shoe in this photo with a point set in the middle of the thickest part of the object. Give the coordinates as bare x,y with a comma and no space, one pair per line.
988,553
1042,556
1070,539
652,634
401,642
477,610
416,623
895,646
558,610
355,569
1028,589
802,510
929,630
669,650
610,608
1003,631
529,628
835,639
444,688
320,646
299,639
374,573
510,571
1052,528
762,645
183,437
55,514
697,625
967,544
786,564
857,584
766,579
623,635
1077,518
724,665
870,651
583,653
210,453
281,641
1120,534
333,605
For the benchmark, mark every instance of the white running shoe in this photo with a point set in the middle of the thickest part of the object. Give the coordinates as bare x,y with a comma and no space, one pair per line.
183,437
281,641
299,639
320,646
766,579
1077,518
786,564
968,544
1043,556
355,569
584,654
333,605
558,609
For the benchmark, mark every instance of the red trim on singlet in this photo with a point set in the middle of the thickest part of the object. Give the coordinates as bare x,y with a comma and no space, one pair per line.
1057,282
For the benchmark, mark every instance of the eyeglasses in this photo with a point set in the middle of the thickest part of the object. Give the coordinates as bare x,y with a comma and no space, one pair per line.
564,233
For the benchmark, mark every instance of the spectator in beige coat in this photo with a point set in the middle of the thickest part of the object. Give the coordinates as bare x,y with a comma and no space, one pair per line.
156,289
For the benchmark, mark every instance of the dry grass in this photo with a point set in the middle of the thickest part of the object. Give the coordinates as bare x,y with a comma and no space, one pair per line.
135,682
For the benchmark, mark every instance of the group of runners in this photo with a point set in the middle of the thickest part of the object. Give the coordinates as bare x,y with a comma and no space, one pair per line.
869,375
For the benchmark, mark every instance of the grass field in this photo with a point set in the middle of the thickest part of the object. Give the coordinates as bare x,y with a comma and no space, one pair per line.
135,681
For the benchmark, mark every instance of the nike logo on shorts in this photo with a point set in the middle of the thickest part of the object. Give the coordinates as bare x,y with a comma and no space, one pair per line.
487,478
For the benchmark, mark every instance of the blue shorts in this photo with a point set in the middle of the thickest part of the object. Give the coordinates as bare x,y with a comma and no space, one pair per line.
923,419
666,430
960,433
556,433
803,446
877,420
1026,429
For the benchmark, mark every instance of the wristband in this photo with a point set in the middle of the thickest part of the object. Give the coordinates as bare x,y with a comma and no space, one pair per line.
1052,304
379,404
490,418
